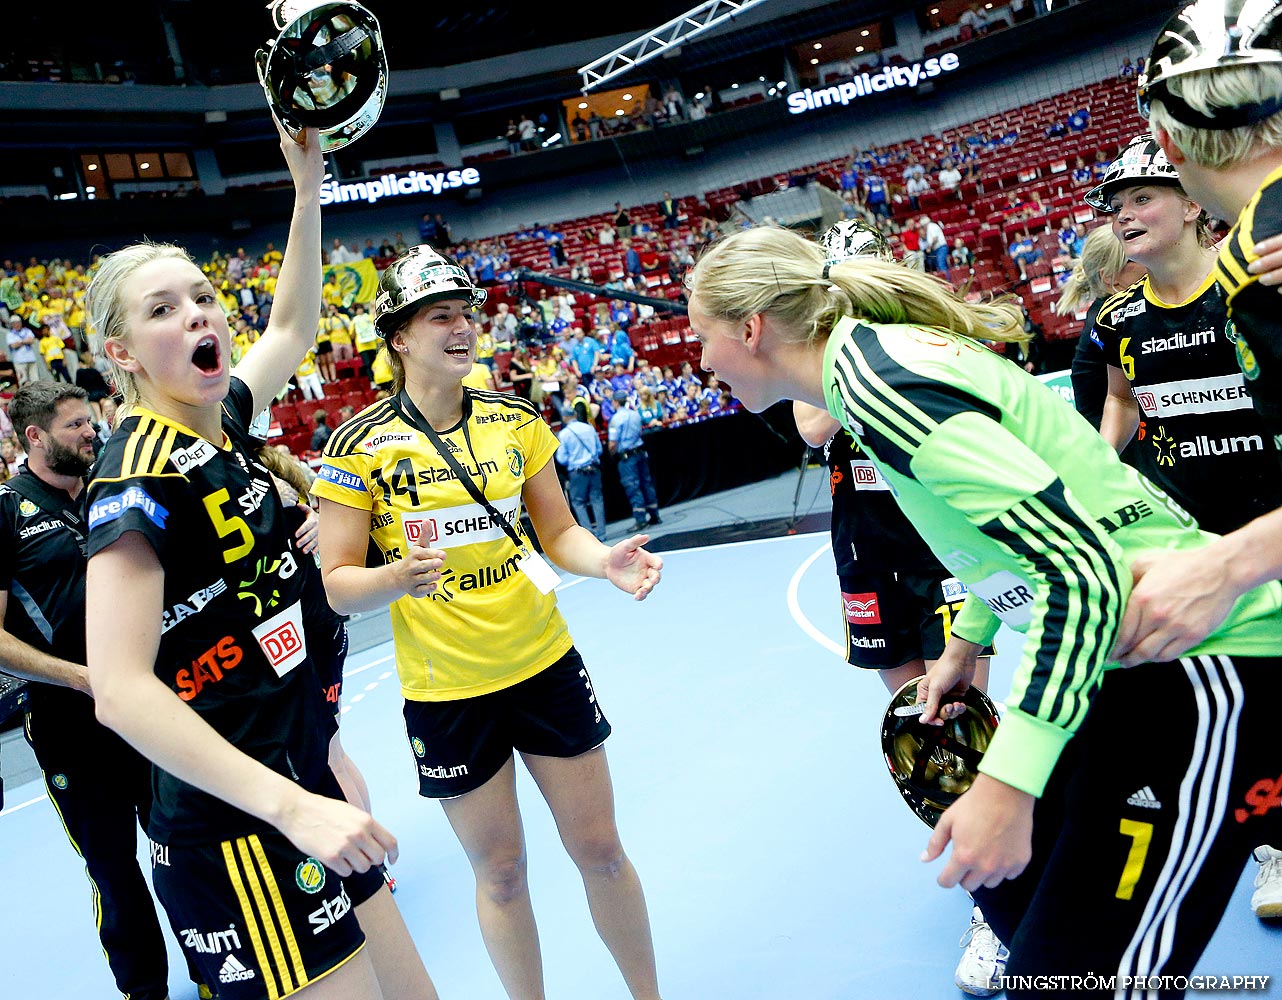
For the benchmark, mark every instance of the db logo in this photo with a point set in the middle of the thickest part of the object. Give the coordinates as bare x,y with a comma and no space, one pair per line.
281,644
861,609
865,475
281,639
420,530
1147,401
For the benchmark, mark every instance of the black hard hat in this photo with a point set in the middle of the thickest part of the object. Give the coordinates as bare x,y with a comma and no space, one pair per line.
1211,34
327,69
933,765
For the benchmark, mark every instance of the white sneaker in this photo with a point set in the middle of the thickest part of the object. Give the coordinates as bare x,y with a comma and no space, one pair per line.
983,963
1266,901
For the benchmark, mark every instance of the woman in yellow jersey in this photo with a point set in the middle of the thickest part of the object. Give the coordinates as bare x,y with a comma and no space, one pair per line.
486,662
253,845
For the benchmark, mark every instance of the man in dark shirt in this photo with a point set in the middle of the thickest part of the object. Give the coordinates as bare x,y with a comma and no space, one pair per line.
322,432
100,785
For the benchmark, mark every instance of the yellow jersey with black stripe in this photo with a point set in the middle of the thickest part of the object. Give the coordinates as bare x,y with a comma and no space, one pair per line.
1254,309
232,643
486,627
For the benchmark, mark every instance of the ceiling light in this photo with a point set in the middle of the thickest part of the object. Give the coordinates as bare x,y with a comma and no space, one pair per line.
627,97
699,96
619,112
67,196
583,105
859,48
814,62
90,188
146,165
734,86
864,33
92,166
761,79
819,45
771,92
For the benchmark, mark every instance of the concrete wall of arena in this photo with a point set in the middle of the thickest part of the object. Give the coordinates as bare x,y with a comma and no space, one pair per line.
798,140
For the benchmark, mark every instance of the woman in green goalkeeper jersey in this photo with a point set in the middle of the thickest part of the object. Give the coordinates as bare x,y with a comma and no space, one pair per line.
1146,782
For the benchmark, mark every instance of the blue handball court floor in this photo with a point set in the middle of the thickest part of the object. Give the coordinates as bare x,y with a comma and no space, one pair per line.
778,860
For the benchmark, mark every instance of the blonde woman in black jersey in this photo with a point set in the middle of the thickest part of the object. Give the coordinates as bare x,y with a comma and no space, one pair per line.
198,656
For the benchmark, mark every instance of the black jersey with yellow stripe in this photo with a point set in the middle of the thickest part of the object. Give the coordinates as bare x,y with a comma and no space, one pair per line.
1256,310
869,531
1200,439
232,643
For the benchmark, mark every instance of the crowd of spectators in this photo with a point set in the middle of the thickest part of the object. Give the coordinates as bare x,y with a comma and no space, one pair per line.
586,353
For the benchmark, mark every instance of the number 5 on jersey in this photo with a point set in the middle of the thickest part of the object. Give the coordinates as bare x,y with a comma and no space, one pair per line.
233,526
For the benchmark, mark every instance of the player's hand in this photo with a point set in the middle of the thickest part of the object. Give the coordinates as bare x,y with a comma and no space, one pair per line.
1269,265
949,678
337,834
991,829
303,157
1177,601
308,536
420,570
631,568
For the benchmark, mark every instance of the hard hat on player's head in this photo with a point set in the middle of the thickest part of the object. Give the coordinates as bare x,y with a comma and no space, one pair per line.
417,277
327,70
1141,162
933,765
854,238
1213,34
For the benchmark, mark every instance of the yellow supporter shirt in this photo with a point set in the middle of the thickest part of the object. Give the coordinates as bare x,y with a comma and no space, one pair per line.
332,294
382,368
308,367
240,345
486,627
340,329
478,377
76,315
367,338
52,347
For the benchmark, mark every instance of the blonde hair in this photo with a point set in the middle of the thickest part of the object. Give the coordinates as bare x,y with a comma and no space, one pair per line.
1102,259
285,467
1223,87
780,273
105,308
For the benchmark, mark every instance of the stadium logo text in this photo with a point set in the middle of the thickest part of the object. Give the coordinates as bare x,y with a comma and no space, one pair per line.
394,185
862,85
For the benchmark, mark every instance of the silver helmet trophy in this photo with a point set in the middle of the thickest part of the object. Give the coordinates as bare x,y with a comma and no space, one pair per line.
327,69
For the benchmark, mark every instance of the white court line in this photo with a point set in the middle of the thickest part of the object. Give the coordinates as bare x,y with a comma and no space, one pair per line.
575,580
794,605
23,805
369,666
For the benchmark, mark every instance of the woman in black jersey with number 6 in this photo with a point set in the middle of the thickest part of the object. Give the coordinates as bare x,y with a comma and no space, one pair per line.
1174,385
198,655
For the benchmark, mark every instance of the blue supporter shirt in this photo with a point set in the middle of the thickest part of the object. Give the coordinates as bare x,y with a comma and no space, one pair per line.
579,446
625,430
584,353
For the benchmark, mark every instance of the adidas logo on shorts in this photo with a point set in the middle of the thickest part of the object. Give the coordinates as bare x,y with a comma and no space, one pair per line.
1145,799
234,971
